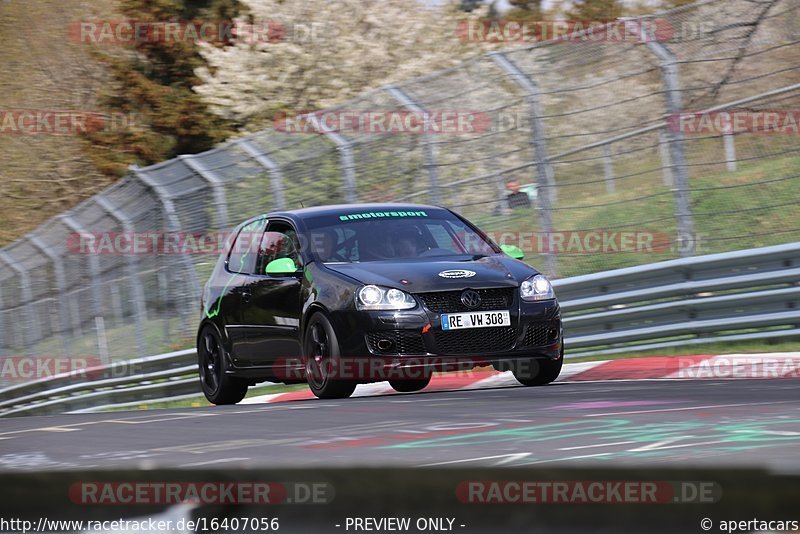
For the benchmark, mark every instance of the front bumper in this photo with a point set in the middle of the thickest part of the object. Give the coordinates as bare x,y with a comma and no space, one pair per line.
415,337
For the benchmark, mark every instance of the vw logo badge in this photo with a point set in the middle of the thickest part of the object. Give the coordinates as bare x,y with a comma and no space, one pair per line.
457,273
470,298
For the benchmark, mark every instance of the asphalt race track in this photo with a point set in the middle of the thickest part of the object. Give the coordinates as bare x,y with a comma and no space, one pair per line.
655,423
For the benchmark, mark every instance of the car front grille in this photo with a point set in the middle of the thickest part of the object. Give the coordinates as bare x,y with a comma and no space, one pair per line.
403,342
475,340
540,334
450,301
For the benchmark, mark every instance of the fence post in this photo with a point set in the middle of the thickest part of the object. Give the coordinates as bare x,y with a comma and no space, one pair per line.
666,160
2,321
345,149
137,292
173,225
430,156
275,174
217,187
61,282
730,151
608,170
546,193
94,270
672,87
27,296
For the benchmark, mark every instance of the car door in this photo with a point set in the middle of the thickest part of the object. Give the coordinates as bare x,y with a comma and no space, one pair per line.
240,265
273,309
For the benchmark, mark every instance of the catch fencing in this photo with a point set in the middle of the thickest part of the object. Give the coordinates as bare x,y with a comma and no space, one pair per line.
586,126
733,296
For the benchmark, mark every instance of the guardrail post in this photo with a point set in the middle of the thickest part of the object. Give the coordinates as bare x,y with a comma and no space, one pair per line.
173,225
217,187
345,149
608,170
27,295
546,191
137,292
430,155
61,282
276,176
672,87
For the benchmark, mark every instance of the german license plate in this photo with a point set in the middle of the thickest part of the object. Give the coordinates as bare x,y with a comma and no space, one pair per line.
457,321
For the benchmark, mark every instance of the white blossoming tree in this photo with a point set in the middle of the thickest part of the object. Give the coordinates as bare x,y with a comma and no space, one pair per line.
329,51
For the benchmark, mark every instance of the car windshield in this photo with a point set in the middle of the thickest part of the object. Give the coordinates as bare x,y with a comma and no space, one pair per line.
379,235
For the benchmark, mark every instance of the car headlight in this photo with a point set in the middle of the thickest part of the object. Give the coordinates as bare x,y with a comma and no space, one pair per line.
380,298
536,288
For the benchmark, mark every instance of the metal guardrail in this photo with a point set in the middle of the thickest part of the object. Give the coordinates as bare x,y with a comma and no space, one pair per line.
164,375
749,294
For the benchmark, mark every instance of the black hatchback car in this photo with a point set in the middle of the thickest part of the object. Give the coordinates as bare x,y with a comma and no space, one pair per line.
340,295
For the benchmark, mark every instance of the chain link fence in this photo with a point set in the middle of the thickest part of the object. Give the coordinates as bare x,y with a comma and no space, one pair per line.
585,125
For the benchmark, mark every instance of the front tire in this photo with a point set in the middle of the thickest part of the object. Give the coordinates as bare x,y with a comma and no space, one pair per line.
538,372
410,385
323,360
218,387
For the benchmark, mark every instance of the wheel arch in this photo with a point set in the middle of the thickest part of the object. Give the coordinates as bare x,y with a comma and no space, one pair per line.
314,307
220,333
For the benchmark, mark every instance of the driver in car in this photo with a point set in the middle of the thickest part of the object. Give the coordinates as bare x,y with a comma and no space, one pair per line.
326,242
406,244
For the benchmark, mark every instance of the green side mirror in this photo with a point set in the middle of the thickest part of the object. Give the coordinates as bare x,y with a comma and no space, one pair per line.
513,251
281,266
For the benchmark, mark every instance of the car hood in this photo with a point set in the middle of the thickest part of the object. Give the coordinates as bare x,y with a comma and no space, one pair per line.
420,275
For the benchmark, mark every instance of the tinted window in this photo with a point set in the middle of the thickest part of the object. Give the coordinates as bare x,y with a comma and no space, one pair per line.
389,235
244,250
274,246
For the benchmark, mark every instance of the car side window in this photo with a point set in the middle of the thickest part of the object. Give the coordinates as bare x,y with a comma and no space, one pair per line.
279,241
244,249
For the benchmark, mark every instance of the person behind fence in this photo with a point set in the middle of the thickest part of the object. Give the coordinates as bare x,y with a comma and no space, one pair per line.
517,198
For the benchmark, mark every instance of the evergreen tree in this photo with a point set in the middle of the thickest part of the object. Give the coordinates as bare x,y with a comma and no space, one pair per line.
152,82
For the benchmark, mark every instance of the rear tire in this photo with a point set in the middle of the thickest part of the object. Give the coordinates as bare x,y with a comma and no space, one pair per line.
323,360
410,385
218,387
